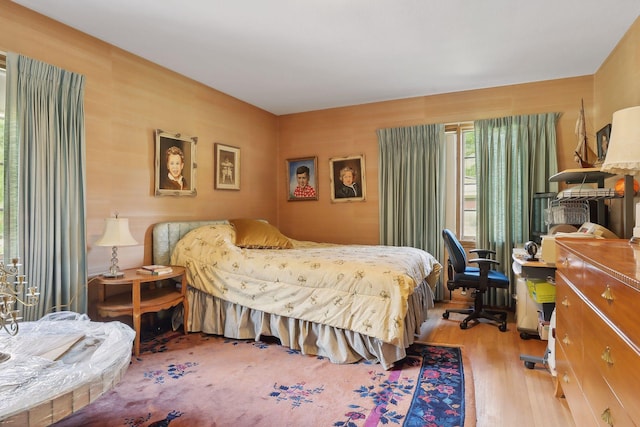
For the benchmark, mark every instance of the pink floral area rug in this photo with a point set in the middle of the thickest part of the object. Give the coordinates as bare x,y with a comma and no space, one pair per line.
204,380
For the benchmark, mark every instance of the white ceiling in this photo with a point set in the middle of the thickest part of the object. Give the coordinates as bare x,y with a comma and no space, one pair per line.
289,56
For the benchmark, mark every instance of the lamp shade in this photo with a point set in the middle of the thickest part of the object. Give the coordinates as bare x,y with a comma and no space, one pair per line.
116,233
623,152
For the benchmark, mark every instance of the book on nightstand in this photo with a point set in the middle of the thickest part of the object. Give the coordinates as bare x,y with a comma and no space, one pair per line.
155,269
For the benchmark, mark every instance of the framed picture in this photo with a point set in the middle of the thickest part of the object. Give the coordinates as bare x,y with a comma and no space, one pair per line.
227,170
602,140
302,179
175,164
347,179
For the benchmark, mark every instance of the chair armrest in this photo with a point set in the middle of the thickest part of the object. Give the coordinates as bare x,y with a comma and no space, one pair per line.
484,261
485,265
483,253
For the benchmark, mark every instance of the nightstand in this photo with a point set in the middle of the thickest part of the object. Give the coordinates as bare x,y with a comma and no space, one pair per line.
147,299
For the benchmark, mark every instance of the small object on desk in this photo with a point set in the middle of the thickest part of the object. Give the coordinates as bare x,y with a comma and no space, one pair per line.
158,272
155,269
532,249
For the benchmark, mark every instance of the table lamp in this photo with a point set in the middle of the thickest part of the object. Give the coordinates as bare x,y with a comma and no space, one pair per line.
116,233
623,158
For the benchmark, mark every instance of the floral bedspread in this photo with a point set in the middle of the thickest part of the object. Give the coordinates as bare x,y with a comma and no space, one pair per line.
363,288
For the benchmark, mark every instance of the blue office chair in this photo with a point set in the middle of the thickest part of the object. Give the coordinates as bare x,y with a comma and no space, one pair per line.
479,279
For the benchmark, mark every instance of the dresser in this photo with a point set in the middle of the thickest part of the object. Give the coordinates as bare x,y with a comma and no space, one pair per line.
598,330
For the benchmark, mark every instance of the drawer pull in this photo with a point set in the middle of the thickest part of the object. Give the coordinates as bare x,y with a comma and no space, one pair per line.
606,356
566,339
607,294
565,302
565,262
606,417
565,378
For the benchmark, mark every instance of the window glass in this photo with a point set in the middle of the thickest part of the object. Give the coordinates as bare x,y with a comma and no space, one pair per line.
469,184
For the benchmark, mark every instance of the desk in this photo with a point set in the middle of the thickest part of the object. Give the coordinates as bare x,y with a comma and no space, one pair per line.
140,301
38,392
526,308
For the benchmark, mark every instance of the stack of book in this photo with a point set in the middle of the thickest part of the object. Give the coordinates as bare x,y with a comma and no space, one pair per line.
155,269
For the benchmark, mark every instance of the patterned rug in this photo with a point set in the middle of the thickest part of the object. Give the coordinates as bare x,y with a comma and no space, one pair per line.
203,380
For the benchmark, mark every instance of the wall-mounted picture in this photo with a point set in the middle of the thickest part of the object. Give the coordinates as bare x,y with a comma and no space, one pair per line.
175,164
227,171
602,139
347,179
302,179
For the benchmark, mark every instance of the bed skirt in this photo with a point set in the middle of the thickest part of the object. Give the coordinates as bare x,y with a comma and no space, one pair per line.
219,317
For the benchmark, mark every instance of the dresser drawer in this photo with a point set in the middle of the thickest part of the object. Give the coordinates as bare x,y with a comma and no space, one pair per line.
569,328
606,353
617,301
607,409
580,409
570,265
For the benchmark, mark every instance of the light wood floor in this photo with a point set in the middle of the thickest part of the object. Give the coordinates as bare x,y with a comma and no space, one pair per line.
506,393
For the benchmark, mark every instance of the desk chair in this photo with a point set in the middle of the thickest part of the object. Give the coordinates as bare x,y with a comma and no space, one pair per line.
479,279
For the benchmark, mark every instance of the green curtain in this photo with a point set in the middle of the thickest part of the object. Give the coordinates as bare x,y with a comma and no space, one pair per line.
45,117
412,193
515,156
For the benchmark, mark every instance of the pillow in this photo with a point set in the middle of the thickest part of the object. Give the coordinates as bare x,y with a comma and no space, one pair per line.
256,234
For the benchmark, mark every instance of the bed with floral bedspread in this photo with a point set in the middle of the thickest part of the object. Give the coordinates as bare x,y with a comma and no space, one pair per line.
344,302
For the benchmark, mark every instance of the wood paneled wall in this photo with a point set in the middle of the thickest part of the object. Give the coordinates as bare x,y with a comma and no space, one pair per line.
617,81
126,98
617,86
352,130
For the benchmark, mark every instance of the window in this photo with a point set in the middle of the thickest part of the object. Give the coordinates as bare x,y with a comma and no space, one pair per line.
462,151
468,192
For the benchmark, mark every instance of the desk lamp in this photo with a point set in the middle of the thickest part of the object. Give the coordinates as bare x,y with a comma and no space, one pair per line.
116,233
623,158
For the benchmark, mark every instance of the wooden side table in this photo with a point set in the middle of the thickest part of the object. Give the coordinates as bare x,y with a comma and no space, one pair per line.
151,299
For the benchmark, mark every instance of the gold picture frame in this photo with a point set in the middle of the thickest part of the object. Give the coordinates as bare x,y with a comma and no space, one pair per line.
302,179
348,183
227,170
602,141
175,164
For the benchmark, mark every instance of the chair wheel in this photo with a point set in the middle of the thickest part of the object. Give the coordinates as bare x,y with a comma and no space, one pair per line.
464,325
445,315
529,365
502,327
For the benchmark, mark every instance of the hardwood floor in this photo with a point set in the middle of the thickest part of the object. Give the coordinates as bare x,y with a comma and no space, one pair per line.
506,393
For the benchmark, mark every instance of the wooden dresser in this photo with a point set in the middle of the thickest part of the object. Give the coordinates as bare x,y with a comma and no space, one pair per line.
598,330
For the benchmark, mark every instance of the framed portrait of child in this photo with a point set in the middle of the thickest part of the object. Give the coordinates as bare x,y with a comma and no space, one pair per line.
227,170
302,179
347,179
175,164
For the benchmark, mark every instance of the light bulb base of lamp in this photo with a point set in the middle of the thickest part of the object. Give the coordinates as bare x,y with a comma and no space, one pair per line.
114,270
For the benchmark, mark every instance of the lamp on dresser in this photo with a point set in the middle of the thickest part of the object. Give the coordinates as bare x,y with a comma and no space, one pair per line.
116,233
623,158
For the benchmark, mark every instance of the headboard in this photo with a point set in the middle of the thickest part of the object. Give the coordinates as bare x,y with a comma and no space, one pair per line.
167,234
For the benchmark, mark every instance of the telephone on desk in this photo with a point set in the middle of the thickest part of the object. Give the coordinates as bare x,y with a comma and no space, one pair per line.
587,230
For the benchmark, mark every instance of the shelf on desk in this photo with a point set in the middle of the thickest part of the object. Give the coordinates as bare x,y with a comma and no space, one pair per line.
578,176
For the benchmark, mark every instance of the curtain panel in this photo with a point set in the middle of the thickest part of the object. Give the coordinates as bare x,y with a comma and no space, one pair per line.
412,191
515,156
46,134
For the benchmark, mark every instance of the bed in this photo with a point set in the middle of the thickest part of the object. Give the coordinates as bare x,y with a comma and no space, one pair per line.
343,302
